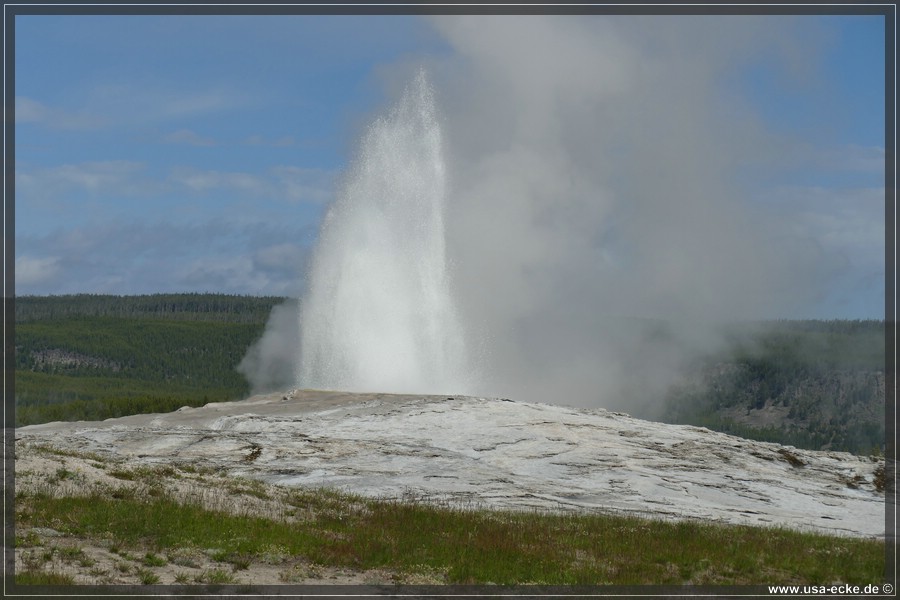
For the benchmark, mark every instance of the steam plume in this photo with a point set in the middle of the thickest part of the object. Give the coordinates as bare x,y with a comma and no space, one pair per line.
596,223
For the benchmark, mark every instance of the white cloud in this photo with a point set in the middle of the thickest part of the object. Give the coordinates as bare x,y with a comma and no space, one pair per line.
204,181
294,184
120,256
32,111
239,273
149,102
847,222
116,178
259,140
96,177
186,136
305,185
130,104
286,256
794,154
34,271
224,273
854,157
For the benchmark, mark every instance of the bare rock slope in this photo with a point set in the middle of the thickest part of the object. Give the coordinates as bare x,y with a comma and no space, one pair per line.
497,453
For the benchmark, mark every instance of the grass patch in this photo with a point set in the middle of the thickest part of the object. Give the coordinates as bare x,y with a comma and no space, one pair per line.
52,450
27,540
146,576
182,577
62,474
38,577
123,567
152,560
75,554
215,576
248,487
462,545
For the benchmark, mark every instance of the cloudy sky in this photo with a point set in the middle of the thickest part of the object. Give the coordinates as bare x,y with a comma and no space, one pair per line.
618,160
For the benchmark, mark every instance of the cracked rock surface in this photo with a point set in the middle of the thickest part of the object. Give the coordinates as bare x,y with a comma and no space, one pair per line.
497,453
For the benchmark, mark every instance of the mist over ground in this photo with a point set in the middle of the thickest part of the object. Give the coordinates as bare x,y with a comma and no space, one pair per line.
602,217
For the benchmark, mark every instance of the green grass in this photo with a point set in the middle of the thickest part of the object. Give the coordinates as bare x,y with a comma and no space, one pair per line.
45,397
215,576
39,577
152,560
464,545
146,576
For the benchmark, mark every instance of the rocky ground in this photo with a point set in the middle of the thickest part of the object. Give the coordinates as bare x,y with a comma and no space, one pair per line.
460,450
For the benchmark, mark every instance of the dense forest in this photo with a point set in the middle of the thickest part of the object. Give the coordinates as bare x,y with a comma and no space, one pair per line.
91,357
811,384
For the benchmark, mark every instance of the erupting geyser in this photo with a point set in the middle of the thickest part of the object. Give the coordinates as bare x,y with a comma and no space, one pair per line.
378,314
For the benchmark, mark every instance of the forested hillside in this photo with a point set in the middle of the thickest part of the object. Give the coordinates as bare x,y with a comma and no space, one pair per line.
811,384
90,357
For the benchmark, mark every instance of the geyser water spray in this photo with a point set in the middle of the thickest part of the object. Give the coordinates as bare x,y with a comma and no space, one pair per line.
378,314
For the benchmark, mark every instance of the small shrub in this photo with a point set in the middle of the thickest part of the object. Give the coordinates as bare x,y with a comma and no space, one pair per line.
147,577
217,554
184,556
126,556
182,578
240,562
33,560
273,554
72,553
86,561
62,474
152,560
29,539
214,576
122,493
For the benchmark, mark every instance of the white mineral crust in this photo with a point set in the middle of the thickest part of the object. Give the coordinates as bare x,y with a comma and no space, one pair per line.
498,454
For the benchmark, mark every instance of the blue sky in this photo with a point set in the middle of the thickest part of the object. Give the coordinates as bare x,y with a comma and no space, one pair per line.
199,153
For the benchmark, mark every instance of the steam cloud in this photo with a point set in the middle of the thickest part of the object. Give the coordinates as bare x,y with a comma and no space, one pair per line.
595,225
270,364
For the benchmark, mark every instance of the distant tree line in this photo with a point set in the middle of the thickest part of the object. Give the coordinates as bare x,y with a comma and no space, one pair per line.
188,307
